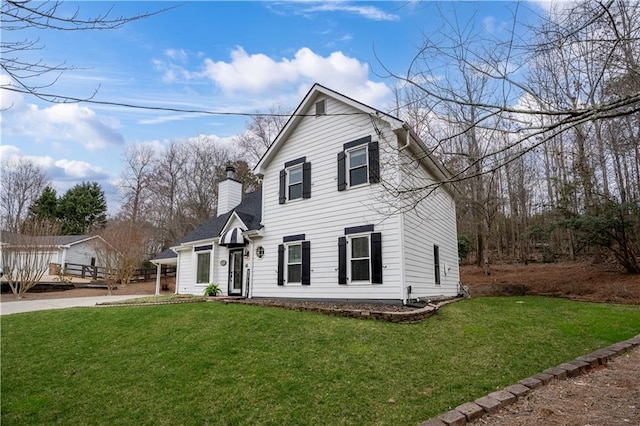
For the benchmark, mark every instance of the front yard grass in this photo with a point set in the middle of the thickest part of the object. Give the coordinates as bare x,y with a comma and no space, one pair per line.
211,363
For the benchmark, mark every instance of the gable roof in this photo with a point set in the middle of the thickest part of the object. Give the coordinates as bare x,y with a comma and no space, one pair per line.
249,210
49,240
411,141
310,98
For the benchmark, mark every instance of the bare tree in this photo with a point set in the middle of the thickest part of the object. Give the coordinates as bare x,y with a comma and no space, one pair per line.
167,195
22,182
513,105
201,188
136,180
260,133
32,76
124,251
537,127
26,255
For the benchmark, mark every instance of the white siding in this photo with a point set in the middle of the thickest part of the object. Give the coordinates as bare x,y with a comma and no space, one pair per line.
229,195
323,217
431,222
80,253
407,237
186,278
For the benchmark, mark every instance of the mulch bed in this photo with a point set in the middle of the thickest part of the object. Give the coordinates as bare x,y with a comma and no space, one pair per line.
396,313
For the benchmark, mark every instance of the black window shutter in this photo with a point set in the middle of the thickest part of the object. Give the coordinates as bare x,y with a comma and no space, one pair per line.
306,262
374,162
281,264
342,260
283,186
306,180
342,175
376,258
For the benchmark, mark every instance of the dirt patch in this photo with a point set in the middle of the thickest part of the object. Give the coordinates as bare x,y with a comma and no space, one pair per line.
576,280
605,396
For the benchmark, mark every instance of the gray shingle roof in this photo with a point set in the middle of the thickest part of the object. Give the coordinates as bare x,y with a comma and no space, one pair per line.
53,240
249,210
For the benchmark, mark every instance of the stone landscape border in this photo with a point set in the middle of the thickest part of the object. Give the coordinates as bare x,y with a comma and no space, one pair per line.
471,411
413,316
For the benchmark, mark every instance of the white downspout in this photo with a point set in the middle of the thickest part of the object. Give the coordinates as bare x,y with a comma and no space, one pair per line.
407,140
403,286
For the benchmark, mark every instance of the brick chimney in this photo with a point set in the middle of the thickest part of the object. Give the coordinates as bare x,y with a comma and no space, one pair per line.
229,192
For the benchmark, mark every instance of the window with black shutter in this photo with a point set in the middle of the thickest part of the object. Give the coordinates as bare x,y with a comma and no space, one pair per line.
295,180
358,163
294,263
294,260
360,256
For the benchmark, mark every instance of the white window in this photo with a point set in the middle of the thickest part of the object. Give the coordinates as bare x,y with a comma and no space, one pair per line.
294,263
320,108
357,165
294,182
203,267
360,258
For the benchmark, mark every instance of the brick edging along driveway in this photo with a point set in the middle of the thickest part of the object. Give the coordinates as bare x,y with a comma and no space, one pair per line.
470,411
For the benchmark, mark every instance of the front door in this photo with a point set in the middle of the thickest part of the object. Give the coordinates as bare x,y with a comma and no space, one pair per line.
235,272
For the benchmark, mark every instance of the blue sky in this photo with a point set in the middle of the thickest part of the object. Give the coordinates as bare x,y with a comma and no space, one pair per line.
233,57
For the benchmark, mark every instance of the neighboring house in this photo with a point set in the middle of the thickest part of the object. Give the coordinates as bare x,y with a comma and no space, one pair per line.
59,249
324,225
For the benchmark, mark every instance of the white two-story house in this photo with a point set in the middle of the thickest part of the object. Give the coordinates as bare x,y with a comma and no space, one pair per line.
331,220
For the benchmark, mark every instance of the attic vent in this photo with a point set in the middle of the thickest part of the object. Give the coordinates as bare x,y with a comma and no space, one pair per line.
320,108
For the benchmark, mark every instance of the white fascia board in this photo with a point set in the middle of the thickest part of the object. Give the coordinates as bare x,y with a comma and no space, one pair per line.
233,215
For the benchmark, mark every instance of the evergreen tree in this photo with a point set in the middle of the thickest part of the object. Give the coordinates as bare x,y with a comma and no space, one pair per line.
83,209
46,206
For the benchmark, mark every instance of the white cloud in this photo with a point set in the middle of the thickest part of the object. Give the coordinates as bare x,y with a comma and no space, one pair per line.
489,23
555,8
259,74
62,122
368,12
64,173
177,54
80,170
8,99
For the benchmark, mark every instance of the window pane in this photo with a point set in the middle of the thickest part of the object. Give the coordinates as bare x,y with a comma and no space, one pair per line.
360,270
360,247
294,273
357,157
295,253
295,175
202,275
358,176
295,191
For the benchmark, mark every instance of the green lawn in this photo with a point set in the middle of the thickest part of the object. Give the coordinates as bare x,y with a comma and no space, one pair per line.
210,363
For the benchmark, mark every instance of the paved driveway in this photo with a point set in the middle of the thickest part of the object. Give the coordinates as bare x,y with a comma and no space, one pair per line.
7,308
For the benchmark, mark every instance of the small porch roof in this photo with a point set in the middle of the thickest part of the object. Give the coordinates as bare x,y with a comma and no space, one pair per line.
232,238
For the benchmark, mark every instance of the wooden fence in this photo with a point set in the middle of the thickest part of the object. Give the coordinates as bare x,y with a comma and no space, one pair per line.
95,272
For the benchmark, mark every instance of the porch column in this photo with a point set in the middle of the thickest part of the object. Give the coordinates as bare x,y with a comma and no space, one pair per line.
158,273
